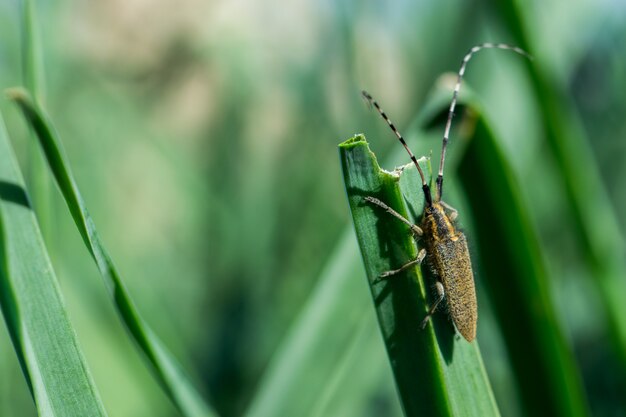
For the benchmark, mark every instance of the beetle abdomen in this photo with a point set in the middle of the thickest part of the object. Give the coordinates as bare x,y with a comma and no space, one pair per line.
451,261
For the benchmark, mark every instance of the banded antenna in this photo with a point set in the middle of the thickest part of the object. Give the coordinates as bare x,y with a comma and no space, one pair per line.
425,187
446,134
455,95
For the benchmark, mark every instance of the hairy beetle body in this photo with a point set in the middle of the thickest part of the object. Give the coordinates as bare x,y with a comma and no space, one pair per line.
445,246
447,253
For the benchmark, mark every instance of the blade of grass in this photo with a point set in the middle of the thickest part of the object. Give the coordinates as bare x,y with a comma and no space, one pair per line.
516,279
366,361
33,308
32,59
314,350
317,342
33,78
436,372
595,219
167,370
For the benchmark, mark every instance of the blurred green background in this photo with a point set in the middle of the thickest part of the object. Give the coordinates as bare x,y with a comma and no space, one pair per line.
203,137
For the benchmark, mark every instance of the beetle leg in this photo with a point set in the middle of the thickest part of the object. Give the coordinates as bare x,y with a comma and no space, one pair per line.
440,296
453,212
420,257
417,231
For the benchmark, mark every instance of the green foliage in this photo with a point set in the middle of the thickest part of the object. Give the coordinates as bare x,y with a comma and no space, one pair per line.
515,275
326,355
437,373
205,147
33,308
596,223
167,370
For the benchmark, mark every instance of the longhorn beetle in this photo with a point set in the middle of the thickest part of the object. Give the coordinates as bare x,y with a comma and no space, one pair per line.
445,246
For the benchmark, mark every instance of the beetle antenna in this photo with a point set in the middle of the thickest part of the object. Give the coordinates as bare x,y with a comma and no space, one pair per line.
457,87
425,186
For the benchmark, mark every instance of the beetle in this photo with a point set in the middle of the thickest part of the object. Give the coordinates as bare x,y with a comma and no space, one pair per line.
445,246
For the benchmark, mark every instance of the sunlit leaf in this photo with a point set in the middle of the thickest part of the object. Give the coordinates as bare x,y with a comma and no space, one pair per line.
33,308
166,368
437,372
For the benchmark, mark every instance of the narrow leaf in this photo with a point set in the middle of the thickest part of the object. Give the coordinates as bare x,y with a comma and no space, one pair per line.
33,308
166,368
437,372
596,224
317,344
34,80
516,279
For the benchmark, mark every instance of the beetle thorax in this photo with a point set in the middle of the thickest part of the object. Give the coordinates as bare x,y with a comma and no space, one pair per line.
436,223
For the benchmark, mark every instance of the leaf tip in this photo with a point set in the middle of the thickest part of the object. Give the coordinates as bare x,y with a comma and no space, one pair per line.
357,139
18,94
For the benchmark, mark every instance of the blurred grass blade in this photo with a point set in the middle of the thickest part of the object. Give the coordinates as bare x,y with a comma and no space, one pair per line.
34,80
166,368
515,276
298,375
595,219
32,58
367,361
33,308
436,372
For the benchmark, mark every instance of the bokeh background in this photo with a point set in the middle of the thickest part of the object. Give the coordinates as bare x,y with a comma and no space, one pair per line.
203,137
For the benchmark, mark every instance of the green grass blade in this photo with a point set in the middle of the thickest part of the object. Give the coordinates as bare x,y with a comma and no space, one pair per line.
32,59
32,306
315,347
34,80
437,373
596,222
365,362
166,368
516,278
